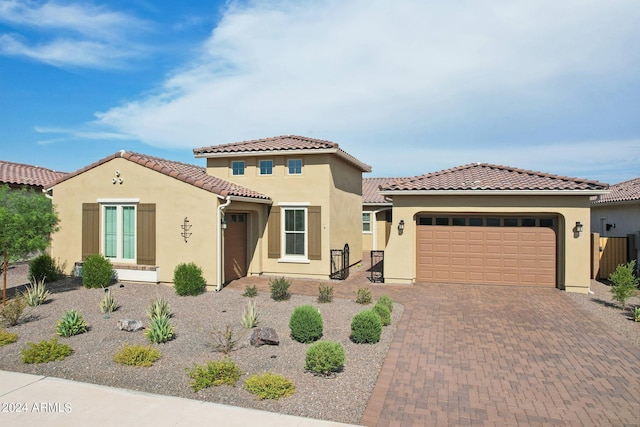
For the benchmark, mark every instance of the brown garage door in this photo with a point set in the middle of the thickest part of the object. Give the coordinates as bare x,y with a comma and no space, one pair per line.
487,255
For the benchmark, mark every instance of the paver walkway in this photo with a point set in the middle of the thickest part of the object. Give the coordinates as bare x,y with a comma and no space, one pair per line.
495,356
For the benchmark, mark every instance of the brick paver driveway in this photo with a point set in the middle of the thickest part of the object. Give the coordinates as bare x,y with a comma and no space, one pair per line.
497,356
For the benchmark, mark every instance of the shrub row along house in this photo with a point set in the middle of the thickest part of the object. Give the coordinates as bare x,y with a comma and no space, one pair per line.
278,206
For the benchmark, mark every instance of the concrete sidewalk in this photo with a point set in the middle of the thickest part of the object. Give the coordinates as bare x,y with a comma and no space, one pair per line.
32,400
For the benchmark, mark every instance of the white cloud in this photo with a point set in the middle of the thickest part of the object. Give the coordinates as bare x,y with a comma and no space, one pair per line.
68,34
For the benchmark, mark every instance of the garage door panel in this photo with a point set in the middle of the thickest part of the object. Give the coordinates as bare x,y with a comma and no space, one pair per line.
491,255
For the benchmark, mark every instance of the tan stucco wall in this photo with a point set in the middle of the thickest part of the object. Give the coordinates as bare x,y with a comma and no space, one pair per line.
379,224
174,201
573,263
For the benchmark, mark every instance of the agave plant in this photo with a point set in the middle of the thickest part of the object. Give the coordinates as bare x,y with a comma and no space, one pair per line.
72,323
249,316
159,308
108,304
160,330
36,293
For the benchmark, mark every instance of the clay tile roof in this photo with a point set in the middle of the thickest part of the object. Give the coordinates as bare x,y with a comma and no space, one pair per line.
20,174
626,191
284,143
488,177
190,174
371,191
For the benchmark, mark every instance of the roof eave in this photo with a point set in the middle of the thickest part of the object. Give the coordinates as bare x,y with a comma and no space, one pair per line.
493,192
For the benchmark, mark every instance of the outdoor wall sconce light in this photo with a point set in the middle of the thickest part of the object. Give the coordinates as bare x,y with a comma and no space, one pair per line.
610,226
185,229
401,226
578,227
223,224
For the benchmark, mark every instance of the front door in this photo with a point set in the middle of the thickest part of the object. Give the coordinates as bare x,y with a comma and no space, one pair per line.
235,246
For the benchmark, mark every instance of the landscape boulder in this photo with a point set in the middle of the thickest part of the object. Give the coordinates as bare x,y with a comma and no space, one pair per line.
130,325
262,336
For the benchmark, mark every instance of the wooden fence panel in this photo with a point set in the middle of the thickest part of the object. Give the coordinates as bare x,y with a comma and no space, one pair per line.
613,252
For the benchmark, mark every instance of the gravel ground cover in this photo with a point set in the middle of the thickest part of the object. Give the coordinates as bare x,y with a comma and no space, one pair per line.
341,399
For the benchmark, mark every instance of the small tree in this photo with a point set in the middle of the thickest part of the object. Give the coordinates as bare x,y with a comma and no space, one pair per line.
27,220
625,284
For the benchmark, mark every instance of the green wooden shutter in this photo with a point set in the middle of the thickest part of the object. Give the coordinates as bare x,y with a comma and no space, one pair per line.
315,233
273,234
90,229
146,234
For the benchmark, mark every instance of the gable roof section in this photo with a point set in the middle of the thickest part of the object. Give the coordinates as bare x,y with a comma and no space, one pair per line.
21,174
371,191
190,174
627,191
478,178
286,144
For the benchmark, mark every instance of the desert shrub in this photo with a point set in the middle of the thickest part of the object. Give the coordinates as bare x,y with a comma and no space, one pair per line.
250,291
387,301
225,341
325,293
43,267
383,312
72,323
269,386
188,280
279,289
36,292
160,330
45,351
7,337
108,304
137,355
249,318
325,358
97,272
625,284
366,327
159,307
636,314
306,324
215,374
363,296
12,311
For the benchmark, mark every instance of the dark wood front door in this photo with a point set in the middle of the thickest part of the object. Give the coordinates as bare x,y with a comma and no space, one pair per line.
235,246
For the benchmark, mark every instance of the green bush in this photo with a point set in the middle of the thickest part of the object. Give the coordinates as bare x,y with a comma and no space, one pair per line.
306,324
36,293
387,301
249,318
625,284
108,304
366,327
45,351
215,374
44,267
188,280
250,291
159,307
137,355
97,272
269,386
383,312
325,293
325,358
363,296
7,337
11,312
72,323
160,330
636,314
279,289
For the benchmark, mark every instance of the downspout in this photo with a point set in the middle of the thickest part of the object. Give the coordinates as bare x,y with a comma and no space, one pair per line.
219,242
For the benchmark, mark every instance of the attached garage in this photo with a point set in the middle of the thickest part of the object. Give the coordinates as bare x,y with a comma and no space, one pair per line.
512,251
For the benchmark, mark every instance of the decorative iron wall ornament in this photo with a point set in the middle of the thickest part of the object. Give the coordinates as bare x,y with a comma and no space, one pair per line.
185,229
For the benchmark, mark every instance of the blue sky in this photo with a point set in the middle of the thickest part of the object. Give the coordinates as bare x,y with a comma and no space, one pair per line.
406,86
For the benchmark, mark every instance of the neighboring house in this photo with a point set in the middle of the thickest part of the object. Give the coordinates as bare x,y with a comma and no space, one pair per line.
617,214
376,215
482,223
18,175
274,206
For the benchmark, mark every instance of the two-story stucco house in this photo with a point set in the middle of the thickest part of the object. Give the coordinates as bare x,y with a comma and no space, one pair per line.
273,206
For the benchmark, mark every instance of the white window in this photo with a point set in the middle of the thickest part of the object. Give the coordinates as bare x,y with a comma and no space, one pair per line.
266,167
294,230
294,166
237,167
366,222
119,232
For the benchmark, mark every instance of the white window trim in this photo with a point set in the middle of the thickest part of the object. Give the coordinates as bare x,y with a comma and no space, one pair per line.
273,165
295,259
118,204
370,223
301,167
